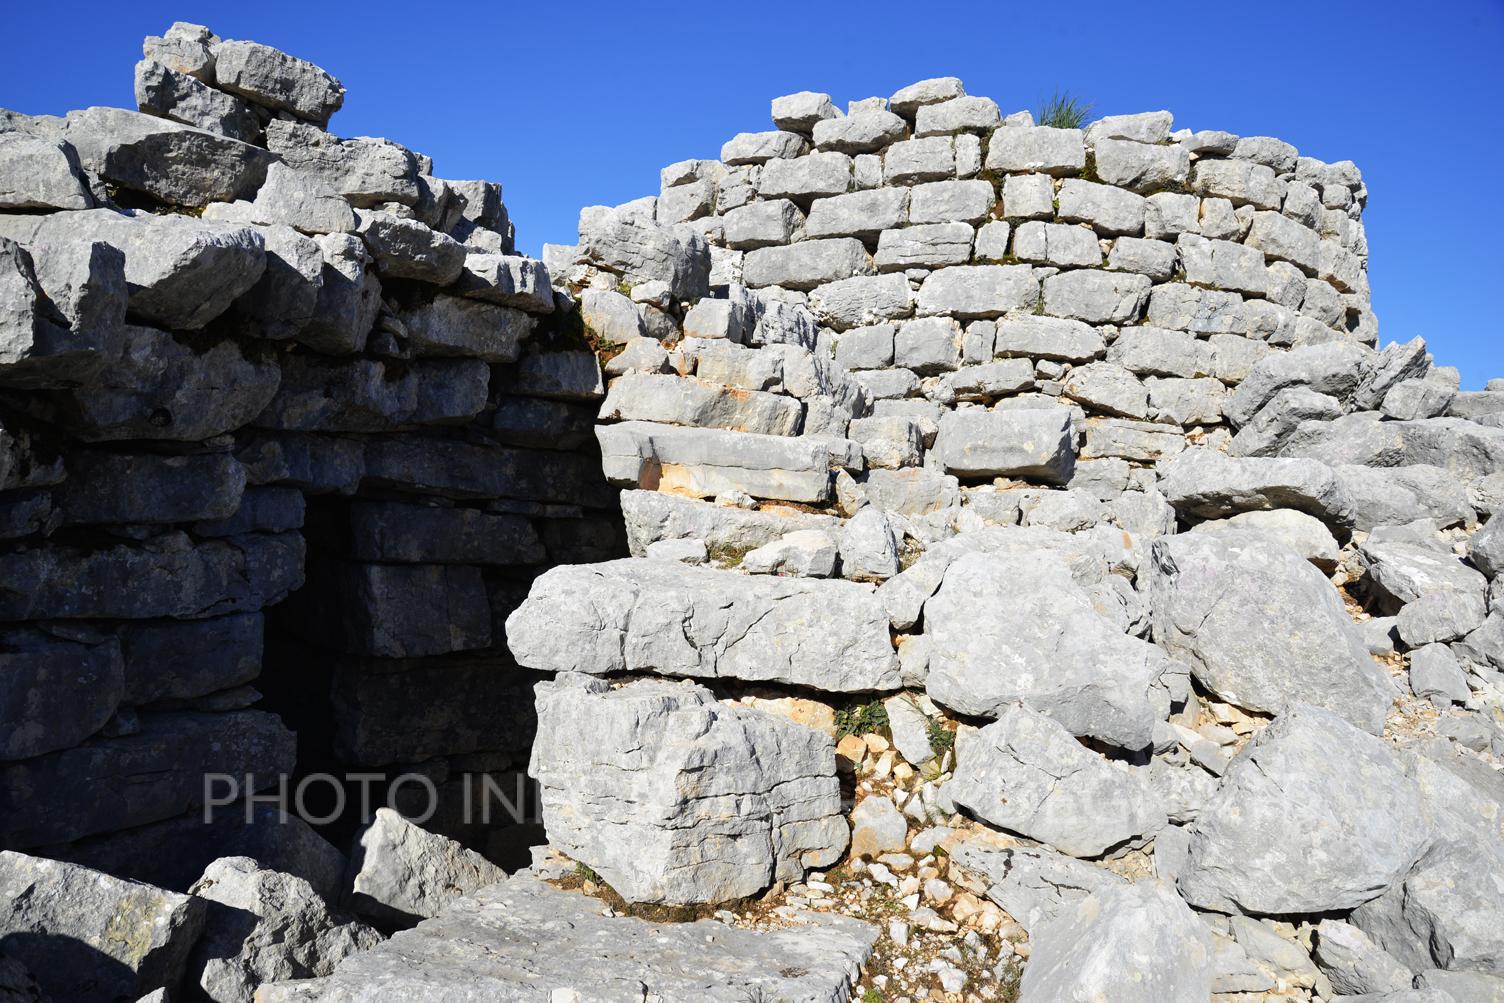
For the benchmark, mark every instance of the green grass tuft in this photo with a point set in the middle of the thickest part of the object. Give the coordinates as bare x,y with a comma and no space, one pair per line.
1063,112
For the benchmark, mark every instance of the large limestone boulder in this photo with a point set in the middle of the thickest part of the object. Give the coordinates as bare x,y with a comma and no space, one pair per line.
522,939
672,797
1132,943
1313,816
89,936
640,615
1015,625
1262,628
263,926
1026,773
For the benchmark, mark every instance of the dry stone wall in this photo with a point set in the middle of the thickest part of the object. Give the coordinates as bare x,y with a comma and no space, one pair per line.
281,412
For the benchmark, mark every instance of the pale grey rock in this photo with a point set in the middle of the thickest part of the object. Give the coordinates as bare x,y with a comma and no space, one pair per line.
869,547
991,380
365,171
760,147
806,264
614,763
1034,885
38,173
1373,496
1486,549
913,161
928,345
996,641
877,826
801,111
857,214
862,300
1048,338
711,462
1404,572
1273,153
957,114
1169,214
285,299
37,346
951,202
487,944
1209,484
1131,440
1033,443
912,491
1267,431
1144,928
1466,449
1028,196
1462,985
1057,791
170,94
1096,297
906,101
803,553
1261,628
1145,127
1353,963
605,618
929,245
1283,239
1182,307
1222,264
184,47
807,177
1186,401
991,243
1056,244
400,873
1411,399
1106,388
264,926
1142,167
888,442
674,400
1110,211
179,272
173,163
457,326
1436,674
859,132
763,224
866,347
349,297
1313,816
652,516
966,291
87,935
682,551
1302,533
276,80
1153,351
610,315
1036,149
910,728
1239,181
626,242
1154,258
507,280
1440,616
407,249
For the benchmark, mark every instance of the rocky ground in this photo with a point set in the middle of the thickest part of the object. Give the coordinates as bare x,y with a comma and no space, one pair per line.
1042,584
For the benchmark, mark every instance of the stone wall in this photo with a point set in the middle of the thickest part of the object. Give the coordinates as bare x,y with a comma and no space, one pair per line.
283,414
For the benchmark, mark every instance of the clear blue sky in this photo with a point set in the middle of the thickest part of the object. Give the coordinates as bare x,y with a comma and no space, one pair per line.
574,104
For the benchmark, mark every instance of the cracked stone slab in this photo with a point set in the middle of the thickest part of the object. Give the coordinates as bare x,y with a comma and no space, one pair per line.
639,615
523,940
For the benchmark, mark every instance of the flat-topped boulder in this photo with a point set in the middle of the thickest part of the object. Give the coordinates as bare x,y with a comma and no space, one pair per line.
673,797
640,615
702,462
524,939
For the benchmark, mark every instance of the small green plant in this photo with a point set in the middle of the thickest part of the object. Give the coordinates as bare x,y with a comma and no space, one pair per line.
861,719
871,995
942,739
1063,112
587,873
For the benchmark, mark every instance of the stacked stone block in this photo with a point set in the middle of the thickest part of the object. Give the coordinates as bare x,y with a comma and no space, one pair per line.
265,389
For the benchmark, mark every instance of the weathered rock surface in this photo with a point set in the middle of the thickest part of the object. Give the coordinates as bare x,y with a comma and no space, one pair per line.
488,944
1313,816
1026,773
674,798
400,873
612,617
88,936
1261,628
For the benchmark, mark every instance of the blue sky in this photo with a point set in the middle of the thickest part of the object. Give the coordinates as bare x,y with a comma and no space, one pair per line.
578,104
